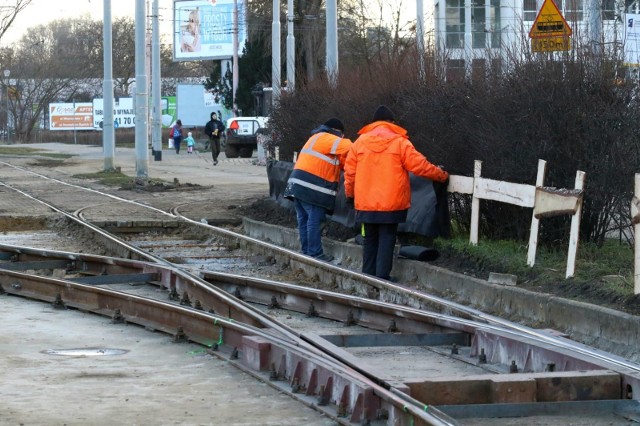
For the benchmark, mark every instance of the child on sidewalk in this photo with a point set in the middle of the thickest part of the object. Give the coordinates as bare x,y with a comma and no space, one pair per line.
190,143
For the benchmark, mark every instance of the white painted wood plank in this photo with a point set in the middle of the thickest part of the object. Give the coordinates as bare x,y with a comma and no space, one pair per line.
506,192
535,222
460,184
475,206
554,202
575,230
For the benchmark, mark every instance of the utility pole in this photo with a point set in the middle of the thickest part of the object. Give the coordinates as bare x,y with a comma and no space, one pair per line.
236,71
142,94
420,38
332,42
156,96
595,25
275,53
108,137
291,49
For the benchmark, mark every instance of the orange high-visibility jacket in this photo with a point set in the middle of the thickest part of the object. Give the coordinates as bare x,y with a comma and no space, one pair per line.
377,170
316,174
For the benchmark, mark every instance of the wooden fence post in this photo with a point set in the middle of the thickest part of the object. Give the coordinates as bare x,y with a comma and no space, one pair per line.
475,205
535,222
575,229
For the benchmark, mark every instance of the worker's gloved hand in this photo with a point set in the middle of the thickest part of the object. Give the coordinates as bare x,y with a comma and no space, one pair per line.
350,202
441,167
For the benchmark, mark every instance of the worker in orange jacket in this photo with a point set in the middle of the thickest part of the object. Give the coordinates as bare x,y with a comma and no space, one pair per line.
314,183
376,176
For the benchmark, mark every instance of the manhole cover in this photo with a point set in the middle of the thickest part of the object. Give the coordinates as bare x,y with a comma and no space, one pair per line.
86,352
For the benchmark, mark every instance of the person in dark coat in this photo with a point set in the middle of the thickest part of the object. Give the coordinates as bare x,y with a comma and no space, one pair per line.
214,129
176,134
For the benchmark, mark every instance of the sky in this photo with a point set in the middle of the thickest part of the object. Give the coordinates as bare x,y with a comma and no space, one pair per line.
42,11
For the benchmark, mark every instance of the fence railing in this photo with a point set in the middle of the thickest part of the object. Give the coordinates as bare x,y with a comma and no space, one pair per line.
545,202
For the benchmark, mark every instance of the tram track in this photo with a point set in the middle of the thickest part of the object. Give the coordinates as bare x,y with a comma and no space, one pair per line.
501,341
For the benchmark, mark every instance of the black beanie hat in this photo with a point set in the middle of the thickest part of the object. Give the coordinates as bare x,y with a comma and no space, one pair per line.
383,114
334,123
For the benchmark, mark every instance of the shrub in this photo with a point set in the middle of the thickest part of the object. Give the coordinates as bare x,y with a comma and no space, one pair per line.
576,114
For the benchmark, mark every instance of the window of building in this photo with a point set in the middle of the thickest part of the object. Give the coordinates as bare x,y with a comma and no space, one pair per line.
455,70
478,69
454,15
572,10
496,26
478,24
530,10
485,26
608,10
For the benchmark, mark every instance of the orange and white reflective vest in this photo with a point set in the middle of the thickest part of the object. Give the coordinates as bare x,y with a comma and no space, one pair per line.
316,174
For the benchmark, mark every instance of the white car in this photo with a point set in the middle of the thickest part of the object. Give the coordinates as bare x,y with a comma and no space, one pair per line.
241,135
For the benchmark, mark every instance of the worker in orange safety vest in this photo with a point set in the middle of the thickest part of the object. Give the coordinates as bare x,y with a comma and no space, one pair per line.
376,177
314,183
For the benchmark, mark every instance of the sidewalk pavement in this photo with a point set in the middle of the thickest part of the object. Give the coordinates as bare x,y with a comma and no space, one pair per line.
196,168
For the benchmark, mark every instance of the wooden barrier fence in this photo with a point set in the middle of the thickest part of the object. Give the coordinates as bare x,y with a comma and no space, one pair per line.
545,202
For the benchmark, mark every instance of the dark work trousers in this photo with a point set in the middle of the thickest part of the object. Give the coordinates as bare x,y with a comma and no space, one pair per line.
377,251
215,148
176,143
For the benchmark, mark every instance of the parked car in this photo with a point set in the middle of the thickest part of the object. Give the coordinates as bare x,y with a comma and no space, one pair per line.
241,135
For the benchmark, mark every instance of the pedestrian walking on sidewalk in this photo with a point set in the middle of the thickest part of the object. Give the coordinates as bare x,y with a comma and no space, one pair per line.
176,134
214,129
190,143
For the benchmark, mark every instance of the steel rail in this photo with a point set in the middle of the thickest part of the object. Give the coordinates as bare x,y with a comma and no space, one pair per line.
123,267
462,310
143,311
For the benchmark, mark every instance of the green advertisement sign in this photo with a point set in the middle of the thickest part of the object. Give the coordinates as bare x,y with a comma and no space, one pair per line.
169,111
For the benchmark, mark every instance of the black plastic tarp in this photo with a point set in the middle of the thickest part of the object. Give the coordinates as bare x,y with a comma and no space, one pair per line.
427,216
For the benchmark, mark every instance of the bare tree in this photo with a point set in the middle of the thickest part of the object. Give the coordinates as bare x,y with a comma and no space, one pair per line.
9,10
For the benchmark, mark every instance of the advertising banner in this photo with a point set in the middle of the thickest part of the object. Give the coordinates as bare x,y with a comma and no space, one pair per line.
631,39
204,29
123,113
71,116
169,115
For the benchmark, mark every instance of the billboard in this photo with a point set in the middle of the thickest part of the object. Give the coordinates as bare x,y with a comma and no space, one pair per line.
203,29
195,105
632,39
124,114
169,115
71,116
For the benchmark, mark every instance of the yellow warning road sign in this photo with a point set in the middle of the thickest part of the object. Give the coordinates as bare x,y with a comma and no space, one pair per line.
550,22
550,44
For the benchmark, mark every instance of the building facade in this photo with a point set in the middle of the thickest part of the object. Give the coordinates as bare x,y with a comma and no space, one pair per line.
475,34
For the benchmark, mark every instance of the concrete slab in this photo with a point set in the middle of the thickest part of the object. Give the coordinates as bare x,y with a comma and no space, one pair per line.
154,382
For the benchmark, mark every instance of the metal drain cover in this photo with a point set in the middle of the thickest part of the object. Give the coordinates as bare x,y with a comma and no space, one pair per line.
86,352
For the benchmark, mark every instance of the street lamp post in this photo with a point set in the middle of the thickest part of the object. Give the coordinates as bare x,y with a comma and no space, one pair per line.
7,73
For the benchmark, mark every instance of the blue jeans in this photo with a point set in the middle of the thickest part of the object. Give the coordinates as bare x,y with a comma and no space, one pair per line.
309,217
